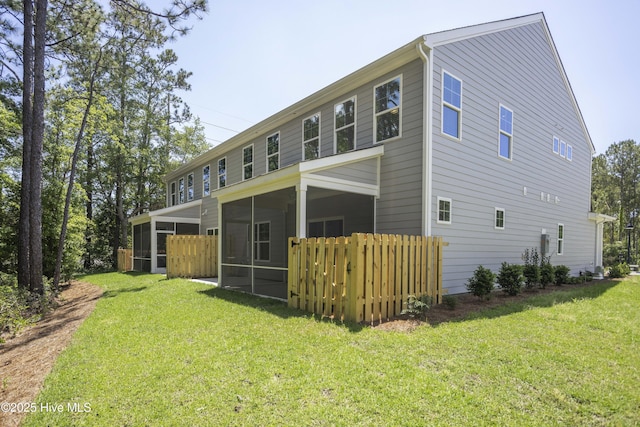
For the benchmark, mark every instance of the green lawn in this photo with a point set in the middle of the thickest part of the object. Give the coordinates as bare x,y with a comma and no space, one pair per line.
171,352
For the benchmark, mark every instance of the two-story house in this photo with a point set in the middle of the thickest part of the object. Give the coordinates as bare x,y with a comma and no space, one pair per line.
473,134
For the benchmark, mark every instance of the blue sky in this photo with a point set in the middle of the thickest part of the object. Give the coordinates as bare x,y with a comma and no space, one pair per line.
252,58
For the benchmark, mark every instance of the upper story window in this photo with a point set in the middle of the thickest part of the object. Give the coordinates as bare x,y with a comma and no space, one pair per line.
247,162
181,190
505,143
311,137
556,145
562,148
345,125
387,109
444,210
190,187
206,180
569,152
173,194
273,152
222,172
451,105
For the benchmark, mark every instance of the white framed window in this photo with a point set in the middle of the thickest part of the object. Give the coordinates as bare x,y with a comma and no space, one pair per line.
569,152
247,162
213,231
386,106
444,210
262,241
499,219
560,249
181,190
505,138
345,125
206,180
172,196
190,187
563,148
222,172
273,152
311,137
451,105
556,145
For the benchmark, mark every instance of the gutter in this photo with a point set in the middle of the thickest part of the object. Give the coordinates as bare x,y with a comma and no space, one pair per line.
427,136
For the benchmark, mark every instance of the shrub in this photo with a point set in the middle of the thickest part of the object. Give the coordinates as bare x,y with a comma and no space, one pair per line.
450,301
619,270
547,274
510,278
562,274
417,307
531,269
482,282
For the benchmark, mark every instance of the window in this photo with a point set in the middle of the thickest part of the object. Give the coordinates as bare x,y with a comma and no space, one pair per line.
262,231
556,145
563,149
387,110
333,227
505,144
273,152
190,187
451,105
345,119
444,210
212,231
247,162
222,172
560,239
173,194
311,137
181,190
569,152
206,180
499,219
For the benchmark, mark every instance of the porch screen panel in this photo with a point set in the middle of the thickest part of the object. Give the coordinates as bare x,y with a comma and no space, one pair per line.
236,232
274,222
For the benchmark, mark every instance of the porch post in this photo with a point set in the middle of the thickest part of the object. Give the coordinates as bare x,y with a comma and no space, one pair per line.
599,247
301,210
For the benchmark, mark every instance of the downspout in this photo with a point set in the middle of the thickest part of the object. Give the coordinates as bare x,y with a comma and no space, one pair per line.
427,101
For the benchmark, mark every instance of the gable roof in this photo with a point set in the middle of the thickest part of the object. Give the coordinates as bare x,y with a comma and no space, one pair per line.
378,68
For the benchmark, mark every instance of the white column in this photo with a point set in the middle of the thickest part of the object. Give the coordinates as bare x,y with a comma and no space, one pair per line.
301,210
599,245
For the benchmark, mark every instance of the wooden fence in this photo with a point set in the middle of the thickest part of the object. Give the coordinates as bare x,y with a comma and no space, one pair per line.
192,256
125,259
363,277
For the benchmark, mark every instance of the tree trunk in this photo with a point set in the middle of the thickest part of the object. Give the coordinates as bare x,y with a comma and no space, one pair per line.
24,259
89,208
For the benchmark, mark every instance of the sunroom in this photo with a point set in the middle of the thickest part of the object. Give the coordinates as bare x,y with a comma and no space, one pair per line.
327,197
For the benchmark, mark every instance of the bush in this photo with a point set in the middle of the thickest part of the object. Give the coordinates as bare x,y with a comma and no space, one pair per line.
417,307
562,274
531,269
450,301
510,278
619,270
547,274
482,282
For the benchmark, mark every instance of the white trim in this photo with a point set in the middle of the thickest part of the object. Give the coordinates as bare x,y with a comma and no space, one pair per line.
563,149
443,103
554,148
319,137
495,219
445,199
145,217
388,110
502,132
208,180
243,164
266,151
225,171
353,98
569,152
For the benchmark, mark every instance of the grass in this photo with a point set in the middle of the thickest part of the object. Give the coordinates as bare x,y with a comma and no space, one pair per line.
172,352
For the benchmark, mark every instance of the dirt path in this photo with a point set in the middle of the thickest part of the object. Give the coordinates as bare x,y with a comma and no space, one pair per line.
26,360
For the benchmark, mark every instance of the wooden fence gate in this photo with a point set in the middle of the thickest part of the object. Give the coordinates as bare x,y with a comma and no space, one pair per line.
125,260
363,277
192,256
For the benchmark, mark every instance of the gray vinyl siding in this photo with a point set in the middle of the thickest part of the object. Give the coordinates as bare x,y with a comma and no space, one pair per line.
365,172
399,208
515,68
209,209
